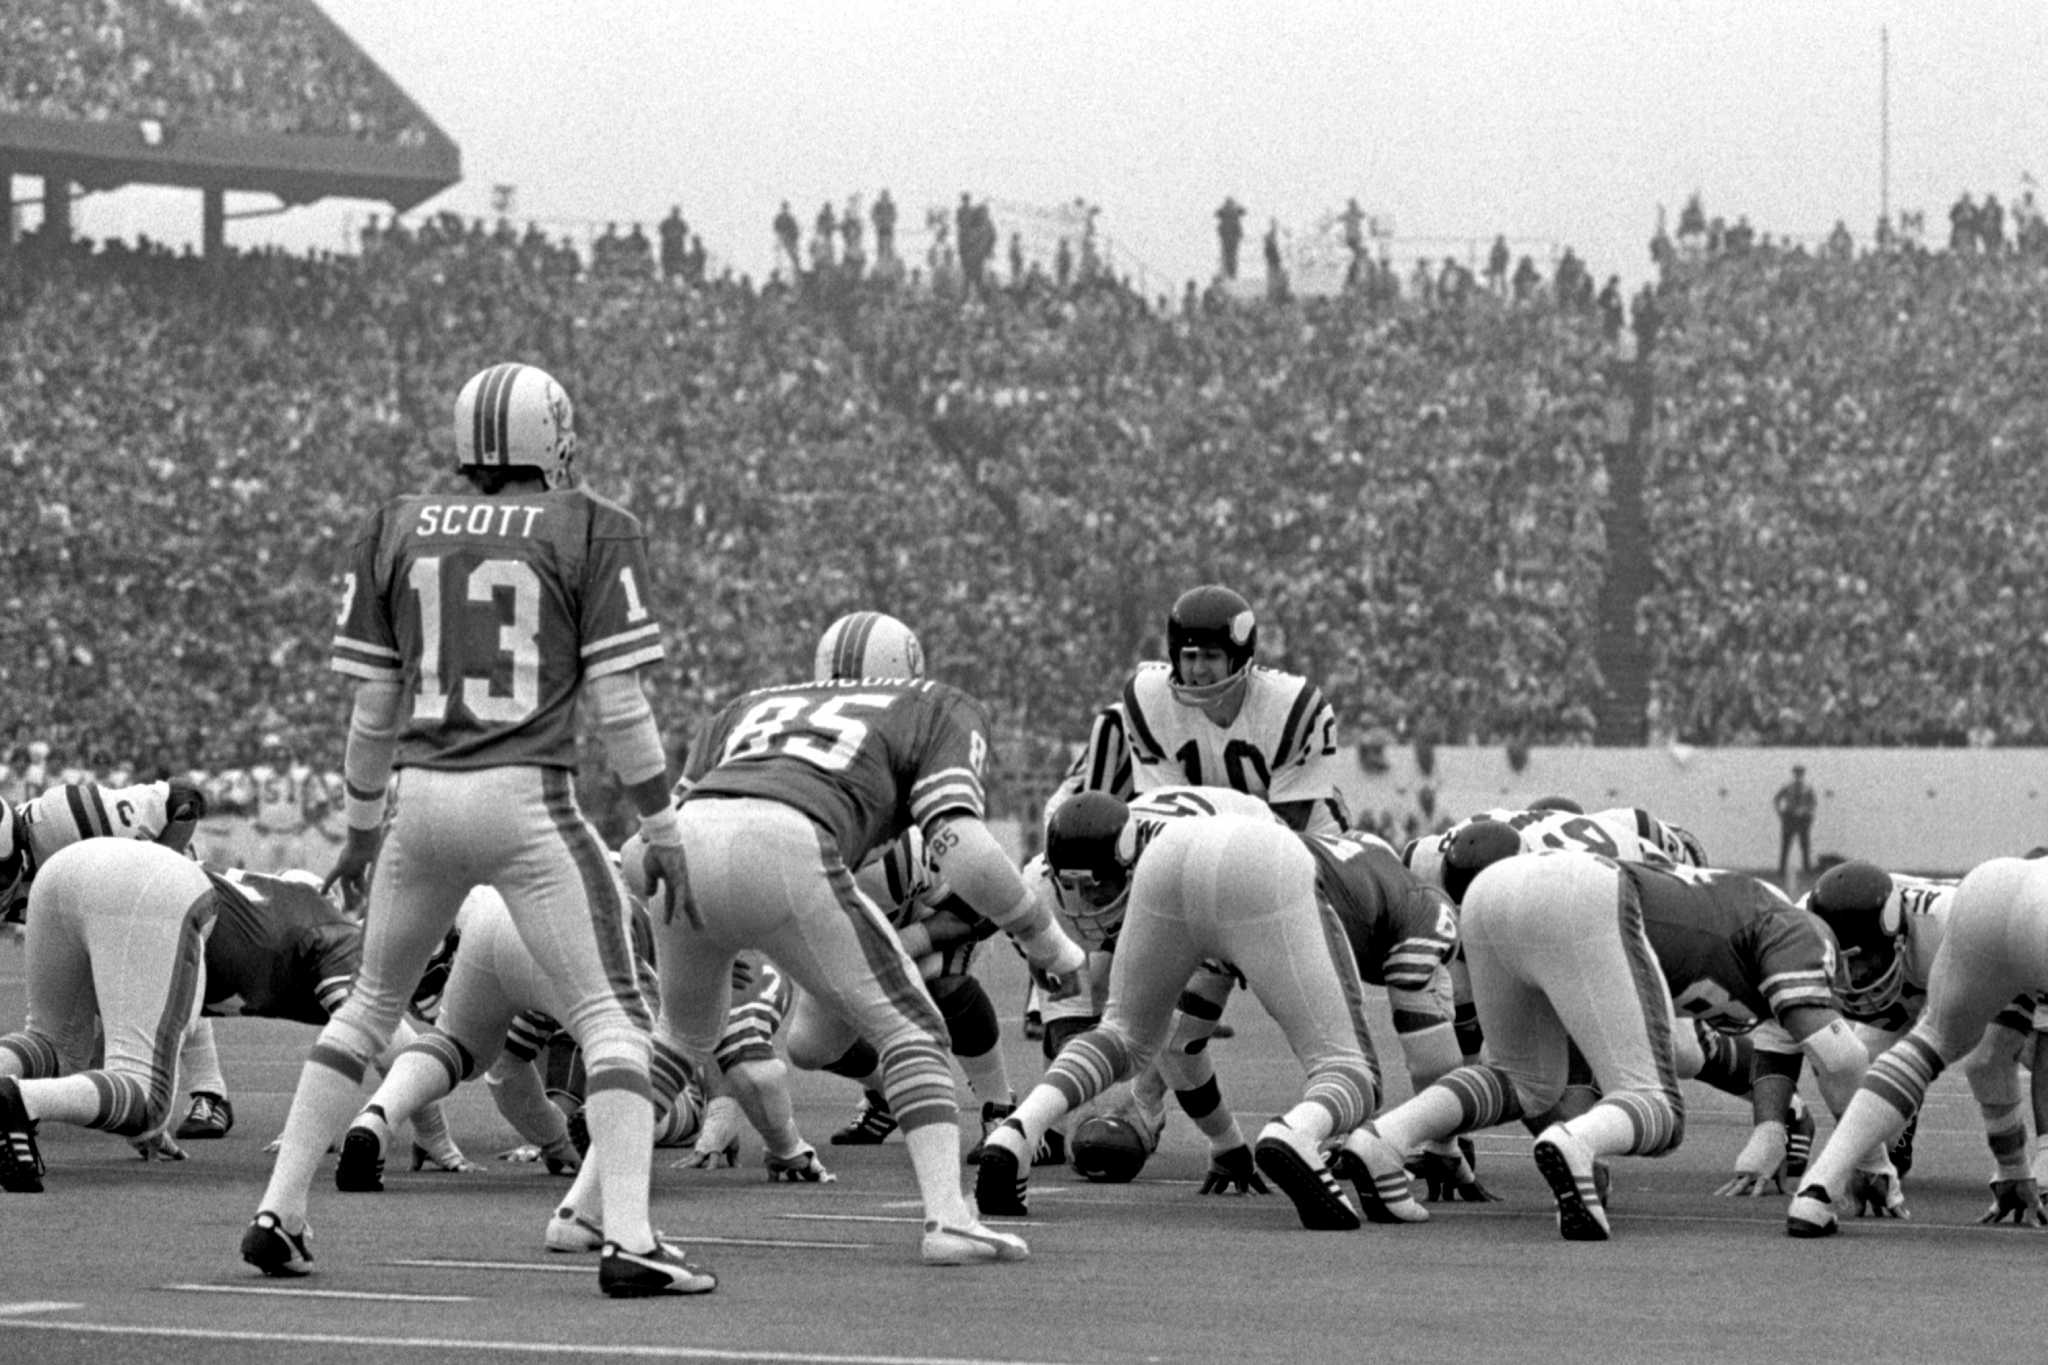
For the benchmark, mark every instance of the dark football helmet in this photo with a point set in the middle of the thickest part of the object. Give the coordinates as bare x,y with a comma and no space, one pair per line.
1211,617
1474,847
1083,849
1854,899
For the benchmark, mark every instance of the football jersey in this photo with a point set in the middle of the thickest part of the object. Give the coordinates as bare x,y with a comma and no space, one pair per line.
1400,929
1733,949
64,814
1280,747
1625,833
279,950
491,612
866,758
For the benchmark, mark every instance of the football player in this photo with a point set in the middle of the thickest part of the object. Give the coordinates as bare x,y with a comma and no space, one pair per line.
1209,716
1219,878
1567,948
939,930
478,626
787,790
1993,950
163,812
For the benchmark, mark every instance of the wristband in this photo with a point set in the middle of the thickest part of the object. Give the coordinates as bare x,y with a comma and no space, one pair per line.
365,813
662,827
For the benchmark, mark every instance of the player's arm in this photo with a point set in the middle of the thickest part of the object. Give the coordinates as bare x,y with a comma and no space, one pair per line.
366,771
624,720
965,855
1837,1055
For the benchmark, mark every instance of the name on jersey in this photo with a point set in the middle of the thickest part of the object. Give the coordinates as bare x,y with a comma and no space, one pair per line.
477,519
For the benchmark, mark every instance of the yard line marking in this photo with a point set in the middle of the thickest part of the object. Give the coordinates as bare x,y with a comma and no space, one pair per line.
317,1293
554,1348
881,1218
9,1310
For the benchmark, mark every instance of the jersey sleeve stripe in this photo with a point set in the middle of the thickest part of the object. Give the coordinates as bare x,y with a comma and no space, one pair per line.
347,644
365,672
88,812
1294,733
618,663
639,635
1141,736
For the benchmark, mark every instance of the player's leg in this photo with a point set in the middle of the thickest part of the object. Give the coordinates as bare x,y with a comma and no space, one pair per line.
209,1115
1995,944
412,903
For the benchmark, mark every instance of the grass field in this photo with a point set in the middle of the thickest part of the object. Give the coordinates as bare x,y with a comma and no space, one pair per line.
126,1261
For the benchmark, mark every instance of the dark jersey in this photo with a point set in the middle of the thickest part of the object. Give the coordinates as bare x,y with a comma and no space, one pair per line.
1733,950
279,950
865,758
491,611
1400,929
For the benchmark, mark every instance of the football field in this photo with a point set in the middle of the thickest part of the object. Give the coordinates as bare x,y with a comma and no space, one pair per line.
126,1261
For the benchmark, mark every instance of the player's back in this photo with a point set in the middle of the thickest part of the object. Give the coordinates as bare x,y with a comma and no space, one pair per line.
1732,947
491,611
865,758
1399,927
279,949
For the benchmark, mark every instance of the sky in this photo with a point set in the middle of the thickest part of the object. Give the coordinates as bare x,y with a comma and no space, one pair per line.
1556,122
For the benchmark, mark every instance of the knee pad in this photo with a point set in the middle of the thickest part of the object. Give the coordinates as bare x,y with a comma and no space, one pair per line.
969,1014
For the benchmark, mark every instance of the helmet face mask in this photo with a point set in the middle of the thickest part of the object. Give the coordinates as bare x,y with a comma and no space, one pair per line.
1853,899
867,644
1082,843
1210,617
516,417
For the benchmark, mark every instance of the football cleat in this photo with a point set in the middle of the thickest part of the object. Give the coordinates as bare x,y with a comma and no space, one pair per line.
274,1249
1002,1182
21,1162
211,1116
872,1122
1811,1214
1376,1171
442,1157
1052,1148
570,1232
361,1167
1799,1143
1291,1161
801,1167
945,1244
1566,1164
624,1274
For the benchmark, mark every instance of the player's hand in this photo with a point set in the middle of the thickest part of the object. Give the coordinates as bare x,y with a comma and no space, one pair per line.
157,1146
711,1158
1877,1194
1449,1178
668,883
2018,1199
448,1157
1758,1163
1058,964
1232,1172
351,871
525,1154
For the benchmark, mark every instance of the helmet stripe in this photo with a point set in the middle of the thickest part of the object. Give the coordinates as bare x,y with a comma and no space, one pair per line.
488,422
851,660
501,415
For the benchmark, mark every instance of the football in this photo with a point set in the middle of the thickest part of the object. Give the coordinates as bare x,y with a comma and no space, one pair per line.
1108,1150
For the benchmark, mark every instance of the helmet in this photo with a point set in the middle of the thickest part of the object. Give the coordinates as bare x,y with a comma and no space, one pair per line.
1695,851
1854,899
867,644
1082,850
516,417
1472,848
1561,803
1211,617
1108,1150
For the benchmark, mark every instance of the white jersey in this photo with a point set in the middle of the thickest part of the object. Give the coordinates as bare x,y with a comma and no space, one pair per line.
1281,746
1627,834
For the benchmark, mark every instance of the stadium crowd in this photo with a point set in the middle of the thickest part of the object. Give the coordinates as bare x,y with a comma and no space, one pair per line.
1411,489
231,66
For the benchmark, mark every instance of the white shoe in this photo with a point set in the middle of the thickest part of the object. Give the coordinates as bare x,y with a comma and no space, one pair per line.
1566,1164
1374,1167
570,1231
1811,1214
946,1244
1291,1161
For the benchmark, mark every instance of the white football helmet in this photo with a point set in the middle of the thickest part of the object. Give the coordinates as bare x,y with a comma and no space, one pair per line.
514,417
867,644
